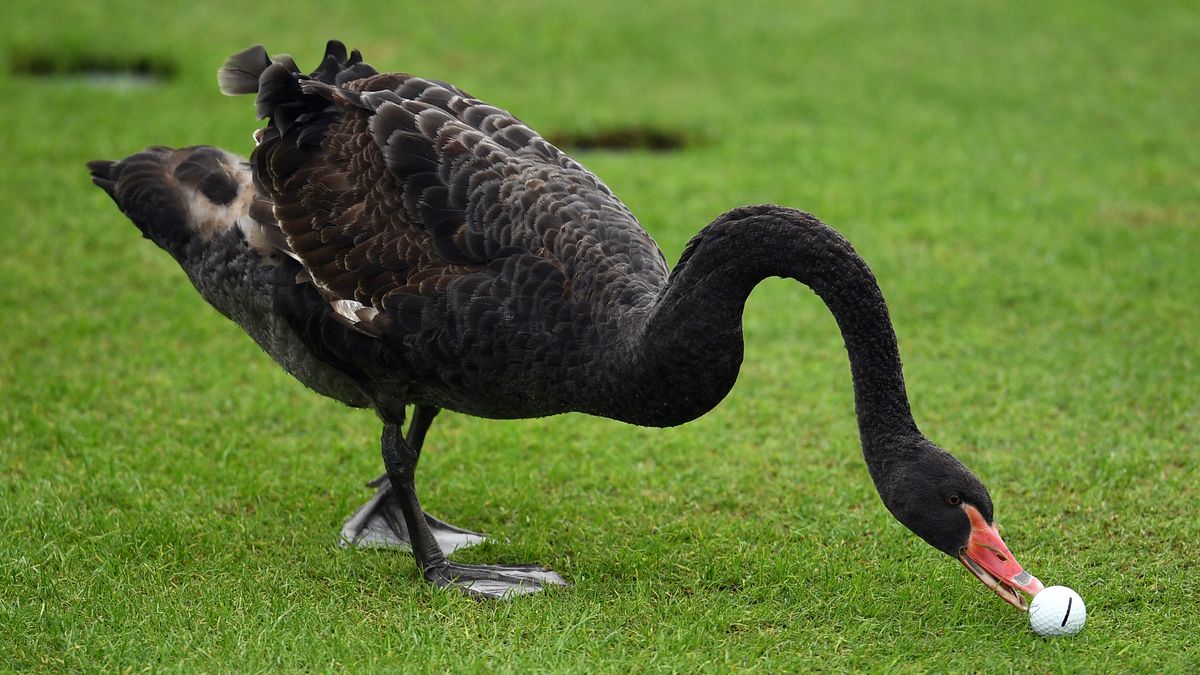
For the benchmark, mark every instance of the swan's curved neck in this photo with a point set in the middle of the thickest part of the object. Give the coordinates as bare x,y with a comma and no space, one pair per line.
690,350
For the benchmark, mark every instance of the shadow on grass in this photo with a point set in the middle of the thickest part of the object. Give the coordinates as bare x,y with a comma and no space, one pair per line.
100,70
621,139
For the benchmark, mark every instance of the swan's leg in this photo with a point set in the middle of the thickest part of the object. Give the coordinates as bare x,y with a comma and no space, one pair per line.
380,524
489,581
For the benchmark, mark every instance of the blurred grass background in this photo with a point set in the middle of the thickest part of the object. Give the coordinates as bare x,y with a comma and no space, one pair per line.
1022,177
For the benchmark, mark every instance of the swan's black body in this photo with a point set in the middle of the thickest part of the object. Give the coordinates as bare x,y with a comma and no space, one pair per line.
394,242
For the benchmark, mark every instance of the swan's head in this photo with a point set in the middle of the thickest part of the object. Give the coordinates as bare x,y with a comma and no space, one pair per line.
942,502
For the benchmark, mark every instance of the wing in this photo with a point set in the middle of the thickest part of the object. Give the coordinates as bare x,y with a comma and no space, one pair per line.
396,191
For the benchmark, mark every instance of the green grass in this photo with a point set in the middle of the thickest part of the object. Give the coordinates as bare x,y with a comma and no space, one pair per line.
1022,176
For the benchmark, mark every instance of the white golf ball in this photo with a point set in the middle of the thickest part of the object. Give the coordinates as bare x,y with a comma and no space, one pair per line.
1057,610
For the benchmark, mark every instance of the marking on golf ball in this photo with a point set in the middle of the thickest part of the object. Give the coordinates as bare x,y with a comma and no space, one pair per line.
1057,610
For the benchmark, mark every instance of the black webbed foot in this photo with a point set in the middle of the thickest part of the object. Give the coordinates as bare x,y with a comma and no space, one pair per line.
493,581
400,456
380,524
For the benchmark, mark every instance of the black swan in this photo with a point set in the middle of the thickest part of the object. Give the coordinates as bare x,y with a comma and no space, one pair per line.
393,242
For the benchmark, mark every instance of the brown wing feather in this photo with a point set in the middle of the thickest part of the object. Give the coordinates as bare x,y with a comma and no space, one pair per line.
393,188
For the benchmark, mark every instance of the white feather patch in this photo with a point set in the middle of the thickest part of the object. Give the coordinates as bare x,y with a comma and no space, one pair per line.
354,311
208,218
252,230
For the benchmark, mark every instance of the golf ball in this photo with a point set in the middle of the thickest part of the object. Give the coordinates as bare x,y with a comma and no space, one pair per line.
1057,610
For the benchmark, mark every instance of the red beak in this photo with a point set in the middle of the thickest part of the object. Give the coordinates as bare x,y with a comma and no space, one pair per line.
990,560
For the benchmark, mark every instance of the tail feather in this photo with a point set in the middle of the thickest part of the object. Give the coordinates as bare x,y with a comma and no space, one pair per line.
139,187
280,97
241,71
276,81
177,196
105,174
173,196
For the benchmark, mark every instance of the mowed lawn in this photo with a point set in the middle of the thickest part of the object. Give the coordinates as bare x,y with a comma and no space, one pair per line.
1023,177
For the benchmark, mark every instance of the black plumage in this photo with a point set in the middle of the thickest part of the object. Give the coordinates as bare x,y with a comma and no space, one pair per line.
394,242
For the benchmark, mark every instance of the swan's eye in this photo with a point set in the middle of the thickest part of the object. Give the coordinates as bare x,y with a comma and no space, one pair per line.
953,500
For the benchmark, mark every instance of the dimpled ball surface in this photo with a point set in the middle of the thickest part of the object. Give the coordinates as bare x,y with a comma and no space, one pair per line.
1057,610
